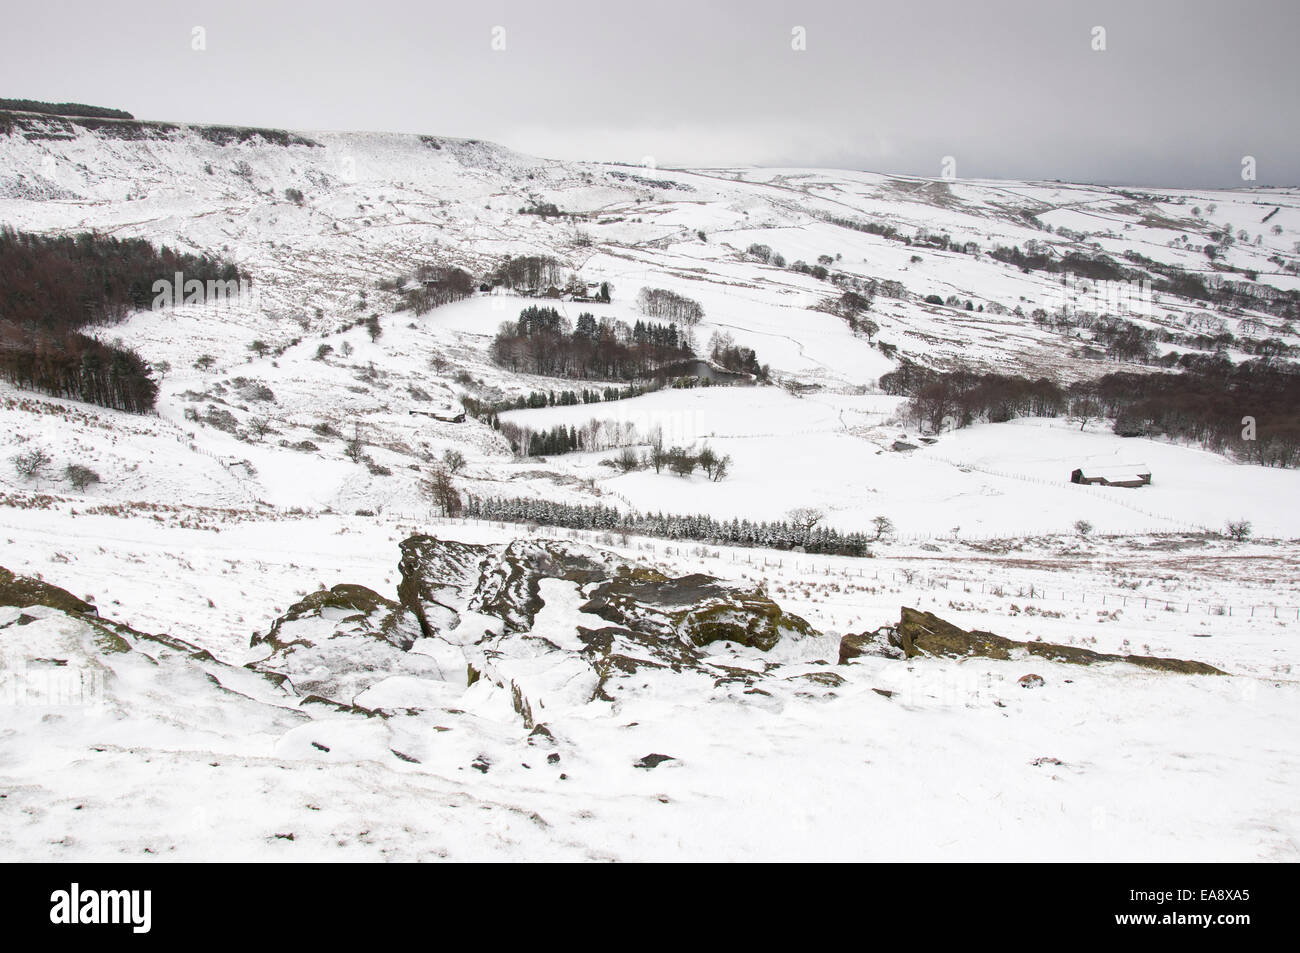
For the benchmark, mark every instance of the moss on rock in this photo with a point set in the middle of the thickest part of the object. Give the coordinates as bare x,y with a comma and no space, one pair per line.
750,619
23,591
359,605
924,633
696,607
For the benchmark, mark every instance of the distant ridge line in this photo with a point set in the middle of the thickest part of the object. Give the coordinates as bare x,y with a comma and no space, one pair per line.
64,109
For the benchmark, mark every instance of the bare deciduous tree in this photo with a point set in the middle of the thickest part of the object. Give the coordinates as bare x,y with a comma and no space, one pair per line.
628,460
80,476
805,517
32,464
658,455
720,468
355,448
442,491
259,426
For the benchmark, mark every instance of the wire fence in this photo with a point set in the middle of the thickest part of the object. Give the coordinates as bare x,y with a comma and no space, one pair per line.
236,468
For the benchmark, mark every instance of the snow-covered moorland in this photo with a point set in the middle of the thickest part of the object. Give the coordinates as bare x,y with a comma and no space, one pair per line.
263,642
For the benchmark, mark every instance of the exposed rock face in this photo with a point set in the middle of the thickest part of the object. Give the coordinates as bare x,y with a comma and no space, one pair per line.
435,574
826,679
72,656
614,653
923,633
338,642
555,625
696,607
350,604
652,761
509,585
504,583
23,591
561,624
876,643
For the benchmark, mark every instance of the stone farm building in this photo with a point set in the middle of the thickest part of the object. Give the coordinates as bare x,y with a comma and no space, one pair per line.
1113,474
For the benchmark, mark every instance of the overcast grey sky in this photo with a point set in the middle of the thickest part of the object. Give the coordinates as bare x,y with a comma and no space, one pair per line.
1009,88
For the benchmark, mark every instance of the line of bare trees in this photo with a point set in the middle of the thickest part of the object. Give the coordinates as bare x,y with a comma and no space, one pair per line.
670,306
436,286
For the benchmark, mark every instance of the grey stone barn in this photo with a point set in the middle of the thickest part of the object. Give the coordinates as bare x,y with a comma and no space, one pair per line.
1113,474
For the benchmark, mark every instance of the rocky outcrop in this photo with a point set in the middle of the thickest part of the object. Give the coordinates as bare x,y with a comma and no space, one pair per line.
924,633
562,655
695,608
23,591
616,653
481,612
876,643
61,651
555,625
337,643
435,575
345,603
690,611
509,585
110,636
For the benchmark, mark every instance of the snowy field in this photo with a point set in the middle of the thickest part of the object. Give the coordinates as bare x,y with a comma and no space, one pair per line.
1101,763
833,452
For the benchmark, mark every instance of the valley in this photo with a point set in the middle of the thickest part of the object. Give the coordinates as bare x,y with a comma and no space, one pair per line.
298,642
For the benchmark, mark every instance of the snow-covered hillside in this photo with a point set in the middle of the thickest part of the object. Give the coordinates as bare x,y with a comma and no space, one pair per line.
376,207
292,444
